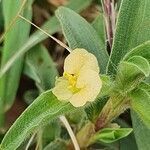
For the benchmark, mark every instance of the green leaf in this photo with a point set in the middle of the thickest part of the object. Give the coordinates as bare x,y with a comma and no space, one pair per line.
51,27
140,102
40,67
80,34
45,108
141,131
141,50
131,73
132,29
99,25
109,135
141,63
14,39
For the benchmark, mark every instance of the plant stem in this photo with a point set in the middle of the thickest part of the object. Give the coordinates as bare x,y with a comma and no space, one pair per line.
110,18
39,140
115,106
72,136
52,37
29,142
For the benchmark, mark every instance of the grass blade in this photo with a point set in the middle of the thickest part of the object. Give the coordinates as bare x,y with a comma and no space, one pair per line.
14,39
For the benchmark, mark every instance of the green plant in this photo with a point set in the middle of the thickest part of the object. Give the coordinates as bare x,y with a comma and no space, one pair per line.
124,63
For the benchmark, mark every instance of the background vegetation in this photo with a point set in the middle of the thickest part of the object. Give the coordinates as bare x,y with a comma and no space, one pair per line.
117,32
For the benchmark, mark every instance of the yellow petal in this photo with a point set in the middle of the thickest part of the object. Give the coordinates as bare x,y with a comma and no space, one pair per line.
79,99
79,58
90,83
61,90
92,63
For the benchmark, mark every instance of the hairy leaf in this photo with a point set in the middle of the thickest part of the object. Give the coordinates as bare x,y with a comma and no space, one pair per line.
131,73
141,50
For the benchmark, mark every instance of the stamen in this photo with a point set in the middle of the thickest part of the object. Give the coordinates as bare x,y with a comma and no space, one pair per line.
72,82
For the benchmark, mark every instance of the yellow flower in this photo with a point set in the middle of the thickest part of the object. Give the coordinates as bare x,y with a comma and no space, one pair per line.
80,82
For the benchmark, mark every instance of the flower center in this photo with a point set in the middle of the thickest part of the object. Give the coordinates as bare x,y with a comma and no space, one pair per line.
72,82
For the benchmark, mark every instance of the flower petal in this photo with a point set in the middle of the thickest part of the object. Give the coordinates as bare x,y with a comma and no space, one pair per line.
79,58
61,90
79,99
92,63
90,81
90,84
